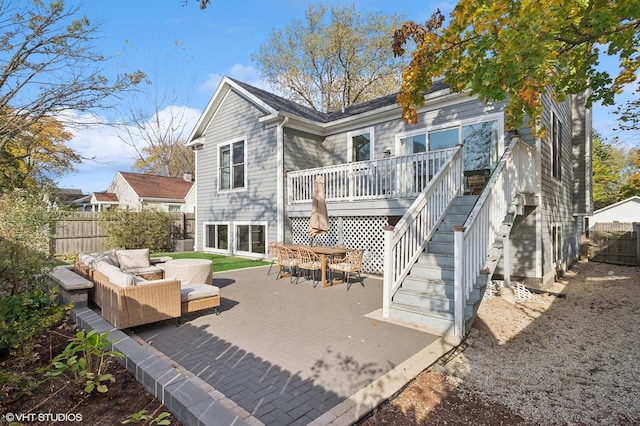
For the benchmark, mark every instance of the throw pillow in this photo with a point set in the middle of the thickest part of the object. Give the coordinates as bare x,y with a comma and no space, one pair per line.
131,259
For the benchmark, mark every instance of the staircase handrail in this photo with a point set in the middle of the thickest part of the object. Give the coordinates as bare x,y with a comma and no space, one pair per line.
514,174
404,243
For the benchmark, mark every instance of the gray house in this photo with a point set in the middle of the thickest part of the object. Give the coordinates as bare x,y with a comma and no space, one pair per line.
454,189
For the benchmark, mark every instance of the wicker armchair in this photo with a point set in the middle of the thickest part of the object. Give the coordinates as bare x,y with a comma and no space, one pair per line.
287,261
349,265
273,254
309,261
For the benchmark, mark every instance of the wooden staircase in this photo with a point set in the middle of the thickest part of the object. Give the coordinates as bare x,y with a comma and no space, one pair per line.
426,297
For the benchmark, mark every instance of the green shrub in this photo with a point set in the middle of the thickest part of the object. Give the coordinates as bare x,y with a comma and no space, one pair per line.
135,230
84,361
24,317
26,226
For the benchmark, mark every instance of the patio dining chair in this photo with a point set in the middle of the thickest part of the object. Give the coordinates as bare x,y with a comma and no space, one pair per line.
287,261
273,254
349,265
309,261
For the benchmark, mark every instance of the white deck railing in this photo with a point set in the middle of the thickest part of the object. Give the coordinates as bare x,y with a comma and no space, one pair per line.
514,174
385,178
406,241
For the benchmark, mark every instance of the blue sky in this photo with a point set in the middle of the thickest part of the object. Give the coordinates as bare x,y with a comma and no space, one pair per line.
186,51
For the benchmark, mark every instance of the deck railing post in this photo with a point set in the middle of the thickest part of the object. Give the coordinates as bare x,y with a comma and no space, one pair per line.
458,284
387,266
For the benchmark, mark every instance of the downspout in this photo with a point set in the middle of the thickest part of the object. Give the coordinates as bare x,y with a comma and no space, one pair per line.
280,177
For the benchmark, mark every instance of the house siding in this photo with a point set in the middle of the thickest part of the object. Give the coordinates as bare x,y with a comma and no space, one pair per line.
237,118
581,147
127,197
557,201
385,132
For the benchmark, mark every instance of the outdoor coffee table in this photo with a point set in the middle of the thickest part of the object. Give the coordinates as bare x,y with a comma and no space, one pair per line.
189,271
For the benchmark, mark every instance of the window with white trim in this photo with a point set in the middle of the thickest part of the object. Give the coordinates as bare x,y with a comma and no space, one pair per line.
251,238
231,165
216,236
360,145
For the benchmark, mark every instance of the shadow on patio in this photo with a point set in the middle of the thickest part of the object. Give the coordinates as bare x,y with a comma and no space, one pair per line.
289,353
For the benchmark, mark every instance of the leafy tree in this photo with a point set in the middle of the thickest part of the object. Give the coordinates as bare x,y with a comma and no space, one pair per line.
606,164
159,140
502,49
330,65
48,68
36,155
631,186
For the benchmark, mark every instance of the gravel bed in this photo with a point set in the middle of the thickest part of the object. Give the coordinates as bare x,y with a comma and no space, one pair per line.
554,360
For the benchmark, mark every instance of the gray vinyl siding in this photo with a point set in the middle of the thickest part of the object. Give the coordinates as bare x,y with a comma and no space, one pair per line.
557,200
385,132
581,147
237,118
302,150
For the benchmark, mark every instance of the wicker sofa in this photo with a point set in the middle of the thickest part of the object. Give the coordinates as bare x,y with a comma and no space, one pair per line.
127,299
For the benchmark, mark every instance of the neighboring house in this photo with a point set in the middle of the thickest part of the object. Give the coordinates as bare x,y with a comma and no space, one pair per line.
523,202
69,197
136,191
625,211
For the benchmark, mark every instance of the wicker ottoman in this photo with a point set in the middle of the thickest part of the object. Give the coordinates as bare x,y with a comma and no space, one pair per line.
198,296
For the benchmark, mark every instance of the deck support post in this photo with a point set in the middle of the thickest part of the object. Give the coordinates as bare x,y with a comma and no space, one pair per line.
388,271
458,286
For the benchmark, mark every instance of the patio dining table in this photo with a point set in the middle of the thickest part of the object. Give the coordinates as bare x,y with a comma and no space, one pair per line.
324,253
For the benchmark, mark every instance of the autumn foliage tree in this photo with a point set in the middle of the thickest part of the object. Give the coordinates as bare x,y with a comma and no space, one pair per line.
515,51
48,69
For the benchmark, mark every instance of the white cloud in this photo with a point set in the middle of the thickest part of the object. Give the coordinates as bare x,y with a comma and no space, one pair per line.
245,73
104,152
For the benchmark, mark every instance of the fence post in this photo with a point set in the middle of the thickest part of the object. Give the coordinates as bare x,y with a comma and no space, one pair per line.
636,229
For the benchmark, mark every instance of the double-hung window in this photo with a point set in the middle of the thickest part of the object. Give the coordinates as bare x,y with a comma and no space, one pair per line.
232,162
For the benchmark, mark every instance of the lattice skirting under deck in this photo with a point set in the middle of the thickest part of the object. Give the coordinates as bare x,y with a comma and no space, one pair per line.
365,232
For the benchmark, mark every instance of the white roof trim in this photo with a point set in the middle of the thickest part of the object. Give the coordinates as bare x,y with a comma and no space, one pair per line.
635,198
226,84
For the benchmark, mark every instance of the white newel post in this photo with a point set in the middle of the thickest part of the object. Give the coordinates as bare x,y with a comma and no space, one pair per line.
458,285
387,271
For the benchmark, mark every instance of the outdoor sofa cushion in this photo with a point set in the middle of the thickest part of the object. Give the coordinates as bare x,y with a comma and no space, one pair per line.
132,259
189,292
115,275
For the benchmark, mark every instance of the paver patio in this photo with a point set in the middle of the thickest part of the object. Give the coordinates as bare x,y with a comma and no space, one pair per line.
289,353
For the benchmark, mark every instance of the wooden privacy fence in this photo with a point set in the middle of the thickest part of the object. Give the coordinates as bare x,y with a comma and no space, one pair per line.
81,232
617,243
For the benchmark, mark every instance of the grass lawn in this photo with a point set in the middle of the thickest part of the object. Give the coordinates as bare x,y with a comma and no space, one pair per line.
220,262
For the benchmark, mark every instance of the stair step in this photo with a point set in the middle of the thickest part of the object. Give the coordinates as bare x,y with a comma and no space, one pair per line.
436,287
437,320
443,237
439,247
455,219
437,259
432,272
423,300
